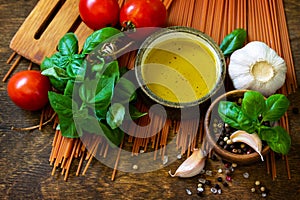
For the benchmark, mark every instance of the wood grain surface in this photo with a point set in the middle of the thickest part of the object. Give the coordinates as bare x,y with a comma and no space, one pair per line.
25,172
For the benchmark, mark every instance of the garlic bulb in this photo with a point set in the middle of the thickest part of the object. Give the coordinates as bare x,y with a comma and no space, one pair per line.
192,166
257,67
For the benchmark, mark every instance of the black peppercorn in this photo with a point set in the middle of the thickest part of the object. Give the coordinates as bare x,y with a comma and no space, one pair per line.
225,184
219,179
207,182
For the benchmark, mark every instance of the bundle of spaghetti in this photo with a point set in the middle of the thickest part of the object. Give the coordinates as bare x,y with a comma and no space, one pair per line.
216,29
65,149
200,13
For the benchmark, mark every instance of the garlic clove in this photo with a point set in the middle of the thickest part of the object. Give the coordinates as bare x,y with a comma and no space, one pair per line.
252,140
192,166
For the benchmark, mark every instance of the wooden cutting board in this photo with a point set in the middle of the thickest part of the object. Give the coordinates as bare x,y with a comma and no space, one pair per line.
49,21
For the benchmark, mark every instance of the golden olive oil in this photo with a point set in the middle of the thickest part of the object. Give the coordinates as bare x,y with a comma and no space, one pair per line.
181,70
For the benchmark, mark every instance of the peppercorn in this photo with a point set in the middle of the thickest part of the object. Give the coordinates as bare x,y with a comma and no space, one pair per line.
200,189
219,179
220,191
214,190
246,175
202,180
221,143
188,191
257,183
225,184
228,178
207,182
208,172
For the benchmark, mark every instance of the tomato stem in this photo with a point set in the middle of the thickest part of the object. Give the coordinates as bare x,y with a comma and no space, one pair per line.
129,26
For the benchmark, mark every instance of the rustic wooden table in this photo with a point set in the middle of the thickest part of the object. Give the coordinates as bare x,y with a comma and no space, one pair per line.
25,172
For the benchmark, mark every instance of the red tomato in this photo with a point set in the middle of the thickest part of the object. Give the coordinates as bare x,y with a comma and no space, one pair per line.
143,13
97,14
29,89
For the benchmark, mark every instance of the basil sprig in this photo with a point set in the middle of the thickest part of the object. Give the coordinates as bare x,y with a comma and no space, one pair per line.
233,41
92,96
252,115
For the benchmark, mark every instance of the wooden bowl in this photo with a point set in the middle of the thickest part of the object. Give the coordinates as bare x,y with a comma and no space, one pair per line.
212,138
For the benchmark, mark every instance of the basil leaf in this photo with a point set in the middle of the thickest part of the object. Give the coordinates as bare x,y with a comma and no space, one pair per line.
57,76
86,122
268,134
124,91
229,112
277,105
75,69
233,41
64,107
47,63
232,114
68,44
113,136
97,94
69,88
115,115
134,113
104,90
283,144
98,37
111,71
253,104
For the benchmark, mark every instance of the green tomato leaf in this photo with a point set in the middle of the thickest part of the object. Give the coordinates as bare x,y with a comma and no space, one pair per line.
115,115
233,41
277,105
283,144
253,104
68,44
64,107
98,37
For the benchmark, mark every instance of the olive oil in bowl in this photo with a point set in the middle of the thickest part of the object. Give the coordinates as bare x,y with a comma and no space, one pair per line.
179,68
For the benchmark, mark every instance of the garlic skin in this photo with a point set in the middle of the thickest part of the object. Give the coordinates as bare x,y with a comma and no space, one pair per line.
258,67
252,140
192,166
